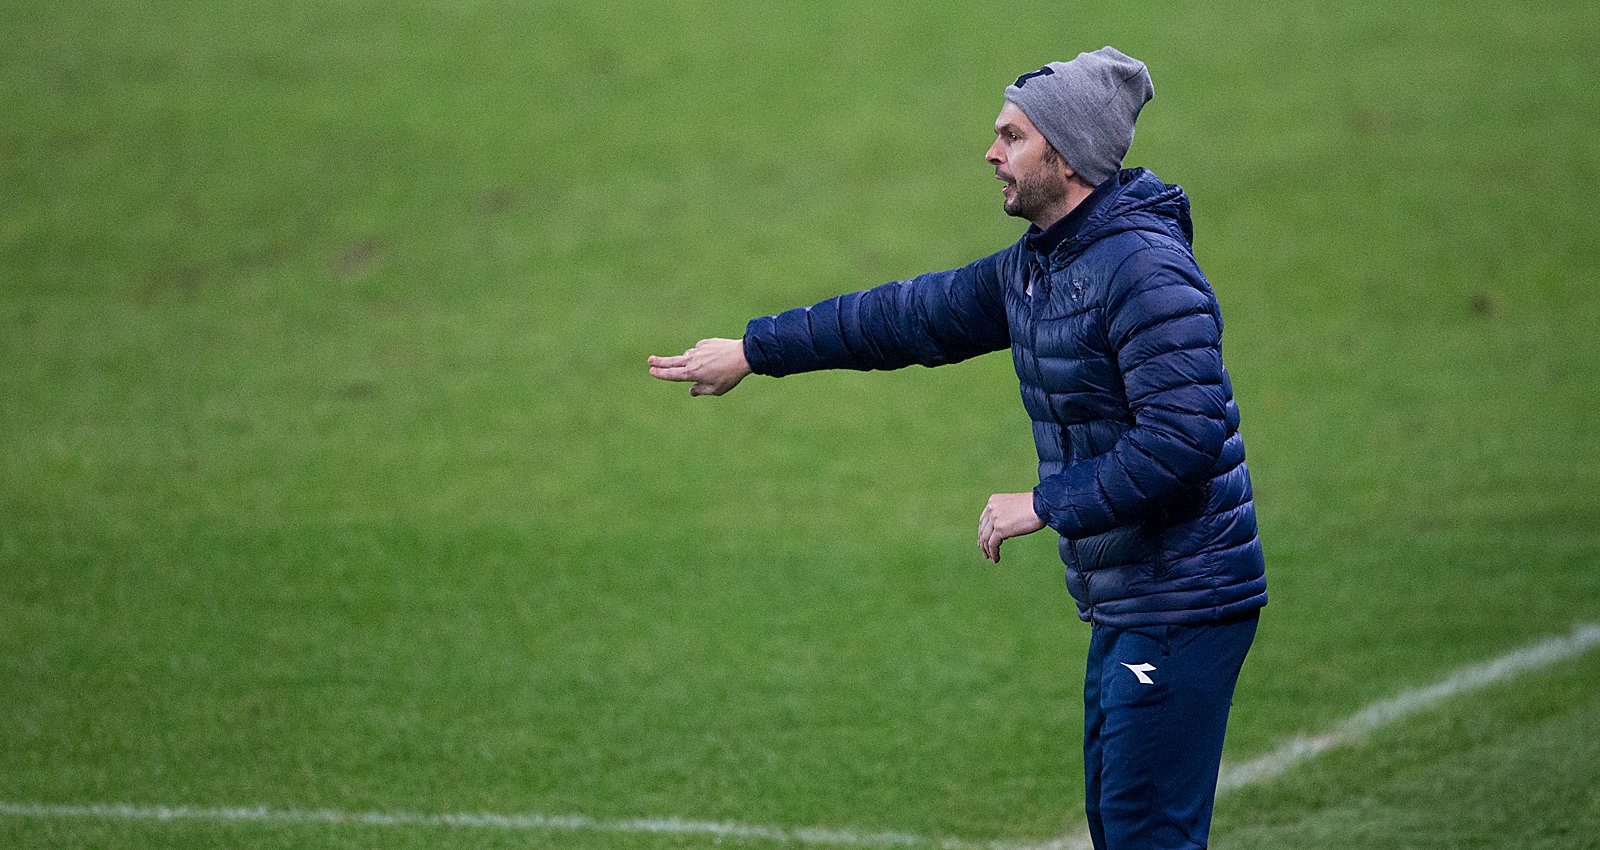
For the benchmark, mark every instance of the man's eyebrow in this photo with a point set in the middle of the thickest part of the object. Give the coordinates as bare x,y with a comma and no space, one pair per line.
1007,126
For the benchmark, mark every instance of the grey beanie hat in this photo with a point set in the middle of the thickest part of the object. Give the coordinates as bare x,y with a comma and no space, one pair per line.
1086,108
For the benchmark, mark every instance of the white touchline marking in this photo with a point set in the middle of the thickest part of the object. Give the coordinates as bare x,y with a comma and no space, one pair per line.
486,820
1545,653
1473,677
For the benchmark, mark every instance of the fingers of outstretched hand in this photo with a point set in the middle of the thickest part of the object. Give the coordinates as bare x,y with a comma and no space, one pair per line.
673,373
680,367
674,360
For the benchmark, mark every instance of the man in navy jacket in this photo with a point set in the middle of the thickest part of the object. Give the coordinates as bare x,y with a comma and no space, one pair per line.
1116,339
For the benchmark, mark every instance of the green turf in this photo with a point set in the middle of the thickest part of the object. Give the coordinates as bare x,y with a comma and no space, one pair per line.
1513,767
330,476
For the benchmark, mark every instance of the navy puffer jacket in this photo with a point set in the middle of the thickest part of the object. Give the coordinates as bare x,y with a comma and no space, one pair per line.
1117,341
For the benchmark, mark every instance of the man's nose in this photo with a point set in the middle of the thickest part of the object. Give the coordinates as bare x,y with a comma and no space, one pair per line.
992,155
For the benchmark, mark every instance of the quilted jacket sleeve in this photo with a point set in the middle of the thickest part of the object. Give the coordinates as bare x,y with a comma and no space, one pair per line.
930,320
1166,332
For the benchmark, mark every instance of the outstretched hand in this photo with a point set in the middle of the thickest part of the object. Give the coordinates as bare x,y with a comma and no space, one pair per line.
1005,516
713,365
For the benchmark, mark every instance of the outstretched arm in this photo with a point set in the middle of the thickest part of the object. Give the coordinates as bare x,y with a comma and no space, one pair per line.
936,318
930,320
713,365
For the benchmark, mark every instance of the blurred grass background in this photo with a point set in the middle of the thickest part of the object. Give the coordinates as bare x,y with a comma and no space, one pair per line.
330,475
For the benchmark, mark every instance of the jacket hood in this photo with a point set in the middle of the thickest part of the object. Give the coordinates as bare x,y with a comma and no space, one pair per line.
1138,201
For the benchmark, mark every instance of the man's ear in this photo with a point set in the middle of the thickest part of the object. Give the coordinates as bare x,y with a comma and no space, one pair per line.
1069,174
1067,171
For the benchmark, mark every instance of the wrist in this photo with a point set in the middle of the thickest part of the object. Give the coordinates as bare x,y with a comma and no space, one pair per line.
749,355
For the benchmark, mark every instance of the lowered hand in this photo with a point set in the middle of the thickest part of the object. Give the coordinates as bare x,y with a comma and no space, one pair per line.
1006,515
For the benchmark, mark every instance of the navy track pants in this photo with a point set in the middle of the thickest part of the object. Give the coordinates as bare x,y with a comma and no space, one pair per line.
1156,705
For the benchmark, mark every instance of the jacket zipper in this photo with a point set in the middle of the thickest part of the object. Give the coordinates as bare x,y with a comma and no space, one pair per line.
1043,282
1041,288
1038,376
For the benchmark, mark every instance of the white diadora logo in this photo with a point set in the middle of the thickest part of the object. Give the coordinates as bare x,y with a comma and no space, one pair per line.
1140,670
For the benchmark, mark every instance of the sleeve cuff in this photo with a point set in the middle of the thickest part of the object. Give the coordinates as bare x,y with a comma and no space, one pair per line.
1039,508
754,353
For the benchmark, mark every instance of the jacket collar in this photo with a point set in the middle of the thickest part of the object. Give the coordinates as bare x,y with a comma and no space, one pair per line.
1132,199
1045,242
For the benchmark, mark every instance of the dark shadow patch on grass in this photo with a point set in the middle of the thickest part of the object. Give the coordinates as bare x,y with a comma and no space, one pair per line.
358,390
358,258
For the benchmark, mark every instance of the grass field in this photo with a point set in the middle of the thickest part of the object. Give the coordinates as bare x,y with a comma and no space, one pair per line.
331,478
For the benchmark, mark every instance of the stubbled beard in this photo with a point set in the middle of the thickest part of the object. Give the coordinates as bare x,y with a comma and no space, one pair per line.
1031,196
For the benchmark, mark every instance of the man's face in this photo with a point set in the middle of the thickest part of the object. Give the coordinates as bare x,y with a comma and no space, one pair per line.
1036,181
